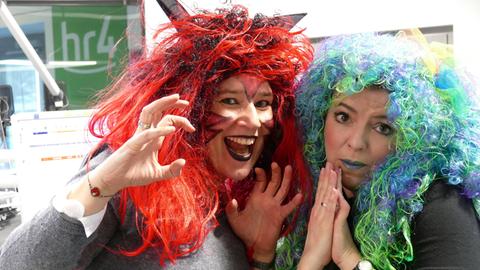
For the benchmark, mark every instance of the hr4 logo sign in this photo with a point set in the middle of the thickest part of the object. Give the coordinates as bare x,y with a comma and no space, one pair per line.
79,46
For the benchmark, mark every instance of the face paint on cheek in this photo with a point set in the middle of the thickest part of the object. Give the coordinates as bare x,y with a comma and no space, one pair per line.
269,124
215,124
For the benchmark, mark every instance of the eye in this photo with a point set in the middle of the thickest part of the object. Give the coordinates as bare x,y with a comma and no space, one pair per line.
384,129
229,101
342,117
262,104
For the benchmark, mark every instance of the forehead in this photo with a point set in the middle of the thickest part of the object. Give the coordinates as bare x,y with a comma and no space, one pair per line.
370,99
244,83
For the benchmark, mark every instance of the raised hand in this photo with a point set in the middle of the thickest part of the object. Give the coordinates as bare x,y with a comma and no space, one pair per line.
260,223
318,246
136,163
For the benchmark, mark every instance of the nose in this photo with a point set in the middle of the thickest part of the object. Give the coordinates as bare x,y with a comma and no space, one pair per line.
358,139
249,117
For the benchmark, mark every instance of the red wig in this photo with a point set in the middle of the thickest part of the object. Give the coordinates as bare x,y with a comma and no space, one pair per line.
205,49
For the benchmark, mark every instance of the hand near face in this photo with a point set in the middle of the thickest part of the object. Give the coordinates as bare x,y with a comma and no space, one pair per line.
136,162
318,247
344,252
260,223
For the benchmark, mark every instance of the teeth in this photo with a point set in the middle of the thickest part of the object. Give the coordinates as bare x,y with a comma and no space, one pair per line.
242,141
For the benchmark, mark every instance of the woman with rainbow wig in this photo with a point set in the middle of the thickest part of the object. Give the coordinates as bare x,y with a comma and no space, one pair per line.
182,130
392,135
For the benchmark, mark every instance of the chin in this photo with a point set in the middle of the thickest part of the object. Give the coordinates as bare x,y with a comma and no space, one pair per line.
238,174
352,183
234,165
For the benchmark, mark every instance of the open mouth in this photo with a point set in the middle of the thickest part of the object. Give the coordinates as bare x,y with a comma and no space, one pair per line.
240,147
353,165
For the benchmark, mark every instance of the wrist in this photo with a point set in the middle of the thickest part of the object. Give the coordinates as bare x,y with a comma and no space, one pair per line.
363,265
262,260
262,265
98,188
263,257
307,263
350,262
82,193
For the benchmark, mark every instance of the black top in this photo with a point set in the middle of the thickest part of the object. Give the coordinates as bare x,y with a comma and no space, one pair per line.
446,233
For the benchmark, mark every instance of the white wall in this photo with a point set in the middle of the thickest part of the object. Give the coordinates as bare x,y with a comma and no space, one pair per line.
333,17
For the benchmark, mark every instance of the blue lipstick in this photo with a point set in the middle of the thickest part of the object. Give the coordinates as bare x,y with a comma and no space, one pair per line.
353,165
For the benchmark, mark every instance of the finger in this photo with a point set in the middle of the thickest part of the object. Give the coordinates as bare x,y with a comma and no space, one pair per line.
329,182
320,184
323,212
331,174
158,114
339,179
285,186
328,166
324,182
332,187
152,113
333,179
327,199
275,180
163,104
139,140
330,202
288,208
232,211
344,207
261,180
176,121
146,116
171,170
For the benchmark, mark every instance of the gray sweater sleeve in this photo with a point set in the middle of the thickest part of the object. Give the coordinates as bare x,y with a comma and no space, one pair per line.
52,240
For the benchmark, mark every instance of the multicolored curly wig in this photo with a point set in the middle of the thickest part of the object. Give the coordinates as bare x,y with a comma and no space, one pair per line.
177,214
435,111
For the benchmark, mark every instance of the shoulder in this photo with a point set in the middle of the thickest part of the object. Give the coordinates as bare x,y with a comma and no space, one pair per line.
447,230
446,209
446,200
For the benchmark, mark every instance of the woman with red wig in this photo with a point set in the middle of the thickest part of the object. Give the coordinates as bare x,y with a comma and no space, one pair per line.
182,130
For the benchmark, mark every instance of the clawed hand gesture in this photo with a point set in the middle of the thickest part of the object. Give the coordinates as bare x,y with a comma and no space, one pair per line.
136,162
260,223
329,236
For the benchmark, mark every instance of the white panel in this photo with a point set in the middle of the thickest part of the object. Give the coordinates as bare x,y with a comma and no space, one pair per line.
49,147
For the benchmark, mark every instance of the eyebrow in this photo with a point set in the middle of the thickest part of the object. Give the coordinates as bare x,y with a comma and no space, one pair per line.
242,91
347,106
265,93
229,91
382,116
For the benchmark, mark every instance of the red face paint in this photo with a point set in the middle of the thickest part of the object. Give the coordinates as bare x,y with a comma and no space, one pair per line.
269,124
251,85
214,124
